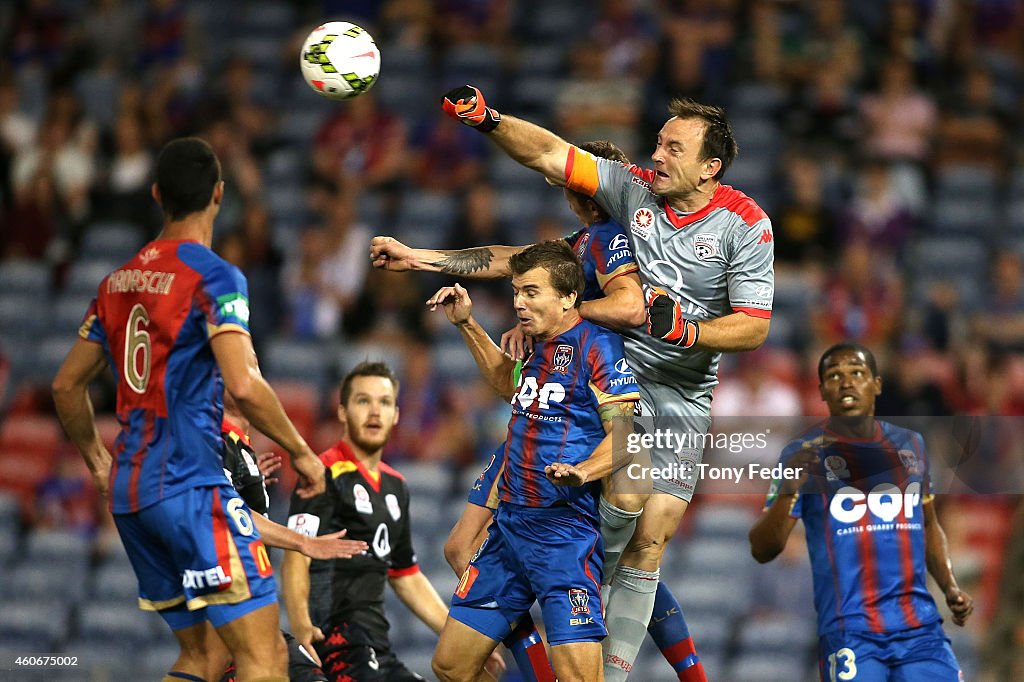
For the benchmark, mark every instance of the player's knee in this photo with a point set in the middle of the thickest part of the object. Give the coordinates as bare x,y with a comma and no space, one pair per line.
647,545
626,501
265,653
445,666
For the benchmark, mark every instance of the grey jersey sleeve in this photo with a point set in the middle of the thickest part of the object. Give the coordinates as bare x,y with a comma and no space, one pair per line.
751,275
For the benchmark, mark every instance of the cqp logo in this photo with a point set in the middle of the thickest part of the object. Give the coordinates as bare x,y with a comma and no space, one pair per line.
885,502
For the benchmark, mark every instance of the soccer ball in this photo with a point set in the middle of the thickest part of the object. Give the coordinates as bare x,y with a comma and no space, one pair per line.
340,60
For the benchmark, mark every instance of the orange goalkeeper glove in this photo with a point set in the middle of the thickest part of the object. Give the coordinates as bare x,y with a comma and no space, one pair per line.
665,321
466,104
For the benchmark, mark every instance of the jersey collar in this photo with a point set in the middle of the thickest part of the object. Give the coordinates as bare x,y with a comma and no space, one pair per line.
229,427
681,221
345,450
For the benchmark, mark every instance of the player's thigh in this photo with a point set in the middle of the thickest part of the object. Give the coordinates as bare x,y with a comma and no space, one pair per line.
255,639
494,576
461,651
668,411
926,656
937,670
577,661
155,566
656,526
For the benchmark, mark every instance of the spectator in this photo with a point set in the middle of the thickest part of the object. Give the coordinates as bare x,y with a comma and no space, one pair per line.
861,302
999,324
900,119
973,128
66,499
755,391
804,224
124,190
361,143
877,214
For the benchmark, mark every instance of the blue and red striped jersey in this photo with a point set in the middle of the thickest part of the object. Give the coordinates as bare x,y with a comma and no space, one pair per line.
155,316
555,414
605,252
863,516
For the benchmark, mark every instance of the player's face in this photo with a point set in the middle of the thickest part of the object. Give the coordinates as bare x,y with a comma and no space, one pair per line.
678,168
370,413
848,386
539,307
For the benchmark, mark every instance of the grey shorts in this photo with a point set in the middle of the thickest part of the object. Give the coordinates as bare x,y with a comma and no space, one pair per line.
681,420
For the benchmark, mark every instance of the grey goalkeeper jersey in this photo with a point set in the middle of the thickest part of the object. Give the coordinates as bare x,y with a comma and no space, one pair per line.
716,261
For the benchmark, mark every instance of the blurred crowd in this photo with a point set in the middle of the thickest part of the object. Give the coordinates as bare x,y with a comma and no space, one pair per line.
884,139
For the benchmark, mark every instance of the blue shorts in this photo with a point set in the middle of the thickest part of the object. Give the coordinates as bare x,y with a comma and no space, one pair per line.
552,555
921,653
198,556
484,492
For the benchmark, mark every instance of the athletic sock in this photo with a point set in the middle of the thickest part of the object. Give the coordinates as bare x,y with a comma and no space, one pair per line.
527,648
630,603
669,631
617,526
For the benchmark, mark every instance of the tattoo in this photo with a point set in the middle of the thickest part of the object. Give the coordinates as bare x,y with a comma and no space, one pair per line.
611,411
465,261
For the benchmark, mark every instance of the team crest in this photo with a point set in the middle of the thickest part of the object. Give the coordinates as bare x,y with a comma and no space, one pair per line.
581,245
641,223
562,359
705,246
579,600
392,504
835,468
362,498
910,463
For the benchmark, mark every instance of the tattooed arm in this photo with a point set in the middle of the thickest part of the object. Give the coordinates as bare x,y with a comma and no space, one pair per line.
484,262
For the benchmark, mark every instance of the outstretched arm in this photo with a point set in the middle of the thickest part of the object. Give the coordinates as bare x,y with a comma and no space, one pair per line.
527,143
496,367
83,363
295,591
936,551
482,262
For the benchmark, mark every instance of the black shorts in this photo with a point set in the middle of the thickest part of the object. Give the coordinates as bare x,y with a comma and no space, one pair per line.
345,659
301,668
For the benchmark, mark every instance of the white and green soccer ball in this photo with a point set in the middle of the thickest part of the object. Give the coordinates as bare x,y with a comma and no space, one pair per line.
340,60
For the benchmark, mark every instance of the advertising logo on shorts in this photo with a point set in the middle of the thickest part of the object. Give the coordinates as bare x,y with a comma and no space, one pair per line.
705,246
562,359
579,600
641,223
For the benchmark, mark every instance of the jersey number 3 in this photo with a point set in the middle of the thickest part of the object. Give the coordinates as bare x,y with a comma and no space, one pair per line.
846,658
138,349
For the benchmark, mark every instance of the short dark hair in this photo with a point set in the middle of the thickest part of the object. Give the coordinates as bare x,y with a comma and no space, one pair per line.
561,262
869,357
719,142
367,368
187,170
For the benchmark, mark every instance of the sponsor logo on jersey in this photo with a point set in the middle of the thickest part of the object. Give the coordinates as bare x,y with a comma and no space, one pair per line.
620,241
562,358
884,503
766,236
579,600
234,305
362,498
622,367
835,468
581,245
382,542
764,291
705,246
152,253
621,255
391,502
641,223
636,180
210,577
307,524
910,463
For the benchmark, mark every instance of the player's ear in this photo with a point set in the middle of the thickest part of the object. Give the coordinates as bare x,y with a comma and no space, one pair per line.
155,193
218,193
878,385
569,301
712,166
342,414
395,422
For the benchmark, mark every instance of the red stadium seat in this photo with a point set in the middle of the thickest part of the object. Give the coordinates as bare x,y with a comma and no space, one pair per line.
30,432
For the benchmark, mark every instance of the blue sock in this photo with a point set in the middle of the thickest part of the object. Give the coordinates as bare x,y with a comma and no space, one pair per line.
669,631
527,648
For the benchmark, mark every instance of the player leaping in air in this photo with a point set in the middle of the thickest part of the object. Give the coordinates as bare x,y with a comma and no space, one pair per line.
613,298
544,544
864,495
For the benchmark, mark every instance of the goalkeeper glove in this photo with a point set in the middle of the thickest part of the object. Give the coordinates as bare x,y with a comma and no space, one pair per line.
665,321
466,104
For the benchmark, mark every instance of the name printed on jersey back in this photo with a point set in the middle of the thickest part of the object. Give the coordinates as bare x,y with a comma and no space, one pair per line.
132,281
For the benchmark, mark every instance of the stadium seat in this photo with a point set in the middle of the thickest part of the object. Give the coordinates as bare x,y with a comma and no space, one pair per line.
301,402
405,60
964,255
51,351
68,313
755,100
431,212
16,325
522,205
427,480
758,668
47,580
109,622
56,546
764,635
36,625
30,432
21,471
507,173
25,277
308,361
470,62
960,182
85,275
1015,215
964,215
115,582
111,242
723,521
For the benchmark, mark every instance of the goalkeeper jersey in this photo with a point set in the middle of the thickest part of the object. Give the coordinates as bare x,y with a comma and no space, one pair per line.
715,261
